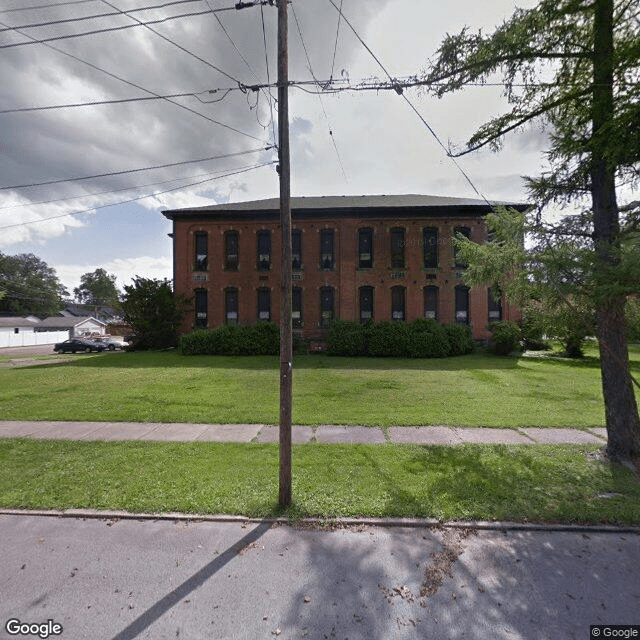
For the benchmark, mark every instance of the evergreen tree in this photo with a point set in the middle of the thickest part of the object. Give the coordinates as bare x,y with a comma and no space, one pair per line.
575,64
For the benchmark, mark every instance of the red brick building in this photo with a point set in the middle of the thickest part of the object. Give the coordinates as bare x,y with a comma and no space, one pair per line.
354,257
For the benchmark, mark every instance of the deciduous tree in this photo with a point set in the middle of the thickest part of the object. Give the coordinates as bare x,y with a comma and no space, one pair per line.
154,312
29,286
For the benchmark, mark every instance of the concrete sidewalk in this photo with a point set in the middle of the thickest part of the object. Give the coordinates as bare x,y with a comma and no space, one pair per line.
329,434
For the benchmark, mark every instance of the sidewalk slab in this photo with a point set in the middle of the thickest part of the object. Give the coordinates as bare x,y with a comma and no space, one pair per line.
175,432
560,436
229,433
120,431
601,432
66,430
331,434
16,429
299,434
423,435
484,435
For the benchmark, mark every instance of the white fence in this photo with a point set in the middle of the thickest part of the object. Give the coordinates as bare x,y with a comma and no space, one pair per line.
26,338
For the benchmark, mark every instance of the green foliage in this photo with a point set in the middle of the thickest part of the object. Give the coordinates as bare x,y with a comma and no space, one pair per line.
532,329
428,339
505,338
98,288
154,313
29,287
460,339
419,339
262,339
632,311
346,338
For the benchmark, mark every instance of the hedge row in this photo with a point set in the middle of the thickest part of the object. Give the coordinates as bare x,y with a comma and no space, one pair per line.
418,339
261,339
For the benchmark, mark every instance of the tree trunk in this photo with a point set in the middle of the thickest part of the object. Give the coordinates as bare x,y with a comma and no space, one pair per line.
621,410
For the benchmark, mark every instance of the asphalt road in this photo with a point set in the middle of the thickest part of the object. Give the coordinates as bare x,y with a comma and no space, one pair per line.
123,579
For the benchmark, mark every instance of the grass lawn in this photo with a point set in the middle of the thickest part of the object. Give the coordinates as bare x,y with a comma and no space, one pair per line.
474,390
493,482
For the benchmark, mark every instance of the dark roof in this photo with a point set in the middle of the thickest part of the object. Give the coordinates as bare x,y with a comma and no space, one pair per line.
340,206
14,321
61,322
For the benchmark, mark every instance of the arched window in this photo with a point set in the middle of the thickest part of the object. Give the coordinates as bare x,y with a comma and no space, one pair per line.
431,302
462,304
366,304
398,297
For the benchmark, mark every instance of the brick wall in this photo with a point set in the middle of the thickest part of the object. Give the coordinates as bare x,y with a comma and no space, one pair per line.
346,277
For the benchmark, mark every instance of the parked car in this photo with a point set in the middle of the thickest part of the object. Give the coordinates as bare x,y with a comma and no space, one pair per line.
79,344
114,343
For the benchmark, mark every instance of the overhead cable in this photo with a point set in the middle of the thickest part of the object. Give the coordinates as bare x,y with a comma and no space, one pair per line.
137,170
150,195
137,86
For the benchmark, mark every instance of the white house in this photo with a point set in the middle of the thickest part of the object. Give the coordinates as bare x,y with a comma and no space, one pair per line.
23,332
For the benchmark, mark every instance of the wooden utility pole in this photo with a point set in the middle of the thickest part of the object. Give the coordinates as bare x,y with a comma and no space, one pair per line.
286,350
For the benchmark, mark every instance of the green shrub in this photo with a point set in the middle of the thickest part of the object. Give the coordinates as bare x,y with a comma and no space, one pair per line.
427,339
505,337
460,338
346,338
245,340
387,339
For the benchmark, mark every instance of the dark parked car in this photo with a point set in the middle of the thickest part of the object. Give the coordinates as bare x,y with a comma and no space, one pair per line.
79,344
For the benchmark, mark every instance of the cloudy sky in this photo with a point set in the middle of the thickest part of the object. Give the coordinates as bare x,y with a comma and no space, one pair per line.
211,144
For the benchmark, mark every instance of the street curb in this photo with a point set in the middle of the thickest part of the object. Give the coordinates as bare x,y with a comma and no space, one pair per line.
330,523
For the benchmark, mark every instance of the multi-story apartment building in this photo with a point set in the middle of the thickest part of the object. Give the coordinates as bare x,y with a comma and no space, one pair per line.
354,257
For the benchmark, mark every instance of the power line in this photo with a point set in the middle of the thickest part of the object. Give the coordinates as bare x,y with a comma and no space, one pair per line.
94,16
46,6
175,44
150,195
110,191
137,86
266,58
94,103
118,173
94,32
306,53
335,46
400,92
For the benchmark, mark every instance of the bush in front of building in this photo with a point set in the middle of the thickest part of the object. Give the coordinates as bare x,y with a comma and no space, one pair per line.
427,339
460,338
505,338
262,339
346,338
421,338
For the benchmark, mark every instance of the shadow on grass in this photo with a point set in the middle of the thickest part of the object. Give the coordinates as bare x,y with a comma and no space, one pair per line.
169,359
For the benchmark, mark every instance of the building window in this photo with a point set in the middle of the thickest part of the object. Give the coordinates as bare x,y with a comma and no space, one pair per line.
264,250
264,305
296,307
296,249
495,307
398,304
231,243
326,306
366,304
430,247
327,256
397,248
466,232
202,251
16,330
201,304
462,304
365,248
231,306
431,302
